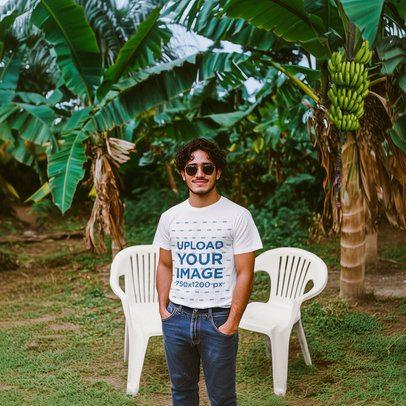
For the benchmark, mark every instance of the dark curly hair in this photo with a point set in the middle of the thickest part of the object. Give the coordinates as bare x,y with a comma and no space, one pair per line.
215,154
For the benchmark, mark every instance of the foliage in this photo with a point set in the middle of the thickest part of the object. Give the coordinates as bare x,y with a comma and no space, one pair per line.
143,209
366,18
284,219
111,75
7,261
73,117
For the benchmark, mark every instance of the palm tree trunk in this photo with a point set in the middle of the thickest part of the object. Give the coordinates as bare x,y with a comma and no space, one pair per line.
115,248
371,250
353,224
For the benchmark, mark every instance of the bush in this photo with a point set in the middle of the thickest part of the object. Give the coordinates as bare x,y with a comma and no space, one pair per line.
284,218
7,261
143,210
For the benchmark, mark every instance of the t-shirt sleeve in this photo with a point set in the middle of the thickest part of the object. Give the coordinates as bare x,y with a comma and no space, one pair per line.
162,237
246,235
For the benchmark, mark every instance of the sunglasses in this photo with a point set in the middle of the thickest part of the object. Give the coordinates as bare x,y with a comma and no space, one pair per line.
207,169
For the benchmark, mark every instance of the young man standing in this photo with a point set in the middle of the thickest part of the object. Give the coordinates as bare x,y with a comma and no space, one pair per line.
204,278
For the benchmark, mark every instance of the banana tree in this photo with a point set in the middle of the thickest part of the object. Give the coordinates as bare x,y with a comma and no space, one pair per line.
373,159
103,100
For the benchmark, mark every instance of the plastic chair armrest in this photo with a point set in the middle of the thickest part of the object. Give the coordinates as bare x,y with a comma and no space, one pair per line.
314,291
115,287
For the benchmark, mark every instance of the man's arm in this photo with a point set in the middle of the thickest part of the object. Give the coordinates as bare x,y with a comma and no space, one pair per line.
244,264
164,280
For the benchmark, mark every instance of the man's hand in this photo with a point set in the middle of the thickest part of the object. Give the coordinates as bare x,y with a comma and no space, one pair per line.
164,313
163,281
228,329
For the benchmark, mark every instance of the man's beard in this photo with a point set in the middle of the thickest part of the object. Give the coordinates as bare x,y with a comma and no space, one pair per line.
203,192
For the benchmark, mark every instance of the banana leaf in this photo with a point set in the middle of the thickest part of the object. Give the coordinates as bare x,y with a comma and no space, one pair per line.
286,18
184,130
65,170
5,25
21,153
32,122
327,11
205,19
155,86
78,55
227,120
77,120
365,15
5,133
30,98
138,52
312,75
6,22
42,192
392,53
9,75
398,133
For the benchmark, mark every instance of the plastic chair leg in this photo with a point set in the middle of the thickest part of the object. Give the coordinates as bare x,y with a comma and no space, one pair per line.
280,356
126,342
303,342
138,348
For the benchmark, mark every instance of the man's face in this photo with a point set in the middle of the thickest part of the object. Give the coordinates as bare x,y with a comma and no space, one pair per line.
200,184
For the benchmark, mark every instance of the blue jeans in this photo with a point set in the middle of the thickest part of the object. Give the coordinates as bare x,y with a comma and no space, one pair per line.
191,335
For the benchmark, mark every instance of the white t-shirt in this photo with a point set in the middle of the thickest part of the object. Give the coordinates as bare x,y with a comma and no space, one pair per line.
203,241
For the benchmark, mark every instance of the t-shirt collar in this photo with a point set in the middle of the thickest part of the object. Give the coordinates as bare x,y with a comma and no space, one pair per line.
210,206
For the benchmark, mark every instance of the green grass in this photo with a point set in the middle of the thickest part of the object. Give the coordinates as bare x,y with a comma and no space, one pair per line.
395,253
63,344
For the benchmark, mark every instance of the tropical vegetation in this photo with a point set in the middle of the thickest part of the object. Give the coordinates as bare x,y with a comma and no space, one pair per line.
84,84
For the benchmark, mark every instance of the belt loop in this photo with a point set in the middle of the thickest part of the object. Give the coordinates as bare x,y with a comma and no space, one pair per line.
209,313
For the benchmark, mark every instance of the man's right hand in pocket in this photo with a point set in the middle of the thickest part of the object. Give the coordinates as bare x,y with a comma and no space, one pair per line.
164,313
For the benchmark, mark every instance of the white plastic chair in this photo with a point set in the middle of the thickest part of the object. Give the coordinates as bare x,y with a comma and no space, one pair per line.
289,269
138,265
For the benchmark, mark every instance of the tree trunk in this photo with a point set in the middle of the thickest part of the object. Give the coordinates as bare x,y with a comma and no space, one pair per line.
371,250
171,178
115,249
353,224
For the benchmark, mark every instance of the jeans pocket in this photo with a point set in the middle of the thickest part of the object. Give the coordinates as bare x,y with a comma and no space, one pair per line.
172,310
218,320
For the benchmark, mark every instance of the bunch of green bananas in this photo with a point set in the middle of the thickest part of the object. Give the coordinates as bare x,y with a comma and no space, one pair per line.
349,87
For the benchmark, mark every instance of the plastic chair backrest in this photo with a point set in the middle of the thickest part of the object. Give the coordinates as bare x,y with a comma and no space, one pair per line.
138,264
290,269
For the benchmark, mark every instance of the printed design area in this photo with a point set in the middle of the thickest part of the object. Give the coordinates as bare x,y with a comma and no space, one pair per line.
202,257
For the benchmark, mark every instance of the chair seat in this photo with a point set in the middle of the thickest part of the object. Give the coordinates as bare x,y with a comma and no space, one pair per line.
146,317
264,317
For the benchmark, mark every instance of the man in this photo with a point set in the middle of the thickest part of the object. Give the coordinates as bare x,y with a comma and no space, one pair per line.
204,278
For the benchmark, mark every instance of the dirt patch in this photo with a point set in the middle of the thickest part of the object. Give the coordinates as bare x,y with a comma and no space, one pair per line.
28,322
64,327
5,387
388,236
390,284
41,343
25,215
388,279
117,383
